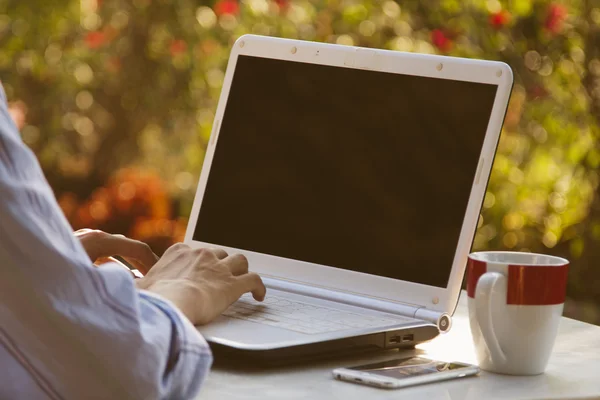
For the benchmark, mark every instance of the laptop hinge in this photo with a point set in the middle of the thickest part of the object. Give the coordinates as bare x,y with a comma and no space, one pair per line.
441,319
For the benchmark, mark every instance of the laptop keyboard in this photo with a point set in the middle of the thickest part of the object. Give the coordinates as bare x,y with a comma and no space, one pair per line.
304,317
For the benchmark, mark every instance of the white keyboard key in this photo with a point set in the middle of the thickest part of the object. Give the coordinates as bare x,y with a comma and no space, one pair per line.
303,317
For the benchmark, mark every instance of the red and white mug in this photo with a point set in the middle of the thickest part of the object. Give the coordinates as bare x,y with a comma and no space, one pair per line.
515,304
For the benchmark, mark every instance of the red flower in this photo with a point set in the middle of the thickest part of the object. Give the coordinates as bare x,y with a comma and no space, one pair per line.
227,7
499,19
537,92
177,47
440,40
95,39
557,13
282,4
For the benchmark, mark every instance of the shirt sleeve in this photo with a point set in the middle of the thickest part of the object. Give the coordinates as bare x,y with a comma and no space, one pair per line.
75,330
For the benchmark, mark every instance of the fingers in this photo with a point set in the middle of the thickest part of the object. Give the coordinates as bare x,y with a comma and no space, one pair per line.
248,281
132,249
98,244
220,253
251,282
237,264
80,232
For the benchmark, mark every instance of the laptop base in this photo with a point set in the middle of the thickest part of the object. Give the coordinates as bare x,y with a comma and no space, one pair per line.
350,346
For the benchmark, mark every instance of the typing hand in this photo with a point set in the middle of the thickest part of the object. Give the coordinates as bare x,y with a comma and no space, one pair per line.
101,245
202,283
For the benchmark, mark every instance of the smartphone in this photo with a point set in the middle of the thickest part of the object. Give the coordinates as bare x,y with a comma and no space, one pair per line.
404,372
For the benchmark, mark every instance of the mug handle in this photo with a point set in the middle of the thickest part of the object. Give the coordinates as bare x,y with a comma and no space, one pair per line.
487,284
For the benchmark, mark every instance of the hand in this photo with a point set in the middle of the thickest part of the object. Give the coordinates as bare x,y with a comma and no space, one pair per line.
101,245
202,283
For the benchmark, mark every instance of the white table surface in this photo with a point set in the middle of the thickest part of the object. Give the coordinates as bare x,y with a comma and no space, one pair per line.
573,372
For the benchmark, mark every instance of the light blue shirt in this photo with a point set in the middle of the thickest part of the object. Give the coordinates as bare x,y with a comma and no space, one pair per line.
69,330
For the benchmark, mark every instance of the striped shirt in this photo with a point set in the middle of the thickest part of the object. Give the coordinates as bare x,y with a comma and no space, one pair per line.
69,330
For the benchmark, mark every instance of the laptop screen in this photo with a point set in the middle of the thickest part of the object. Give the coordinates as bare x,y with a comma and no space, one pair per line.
360,170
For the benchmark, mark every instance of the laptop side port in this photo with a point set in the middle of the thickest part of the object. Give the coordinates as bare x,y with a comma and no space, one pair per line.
407,338
397,339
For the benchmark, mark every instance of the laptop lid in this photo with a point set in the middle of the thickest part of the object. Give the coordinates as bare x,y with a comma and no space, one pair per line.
351,169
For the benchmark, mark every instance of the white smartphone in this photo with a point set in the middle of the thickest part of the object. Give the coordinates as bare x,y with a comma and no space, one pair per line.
403,372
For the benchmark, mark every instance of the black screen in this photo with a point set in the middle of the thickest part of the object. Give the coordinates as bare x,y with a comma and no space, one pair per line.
360,170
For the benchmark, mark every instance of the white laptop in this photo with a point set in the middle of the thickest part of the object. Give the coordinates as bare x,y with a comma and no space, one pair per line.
352,179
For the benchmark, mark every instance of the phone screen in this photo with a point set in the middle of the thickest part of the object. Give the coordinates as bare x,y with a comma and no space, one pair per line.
408,367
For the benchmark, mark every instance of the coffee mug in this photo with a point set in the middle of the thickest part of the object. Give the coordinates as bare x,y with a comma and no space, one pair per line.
515,304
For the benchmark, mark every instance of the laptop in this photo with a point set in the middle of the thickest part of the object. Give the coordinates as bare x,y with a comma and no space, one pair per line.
352,179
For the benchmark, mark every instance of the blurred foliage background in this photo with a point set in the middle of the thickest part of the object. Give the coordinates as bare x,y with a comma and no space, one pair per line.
116,97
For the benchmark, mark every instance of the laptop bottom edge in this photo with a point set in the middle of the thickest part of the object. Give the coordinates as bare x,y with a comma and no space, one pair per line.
336,348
